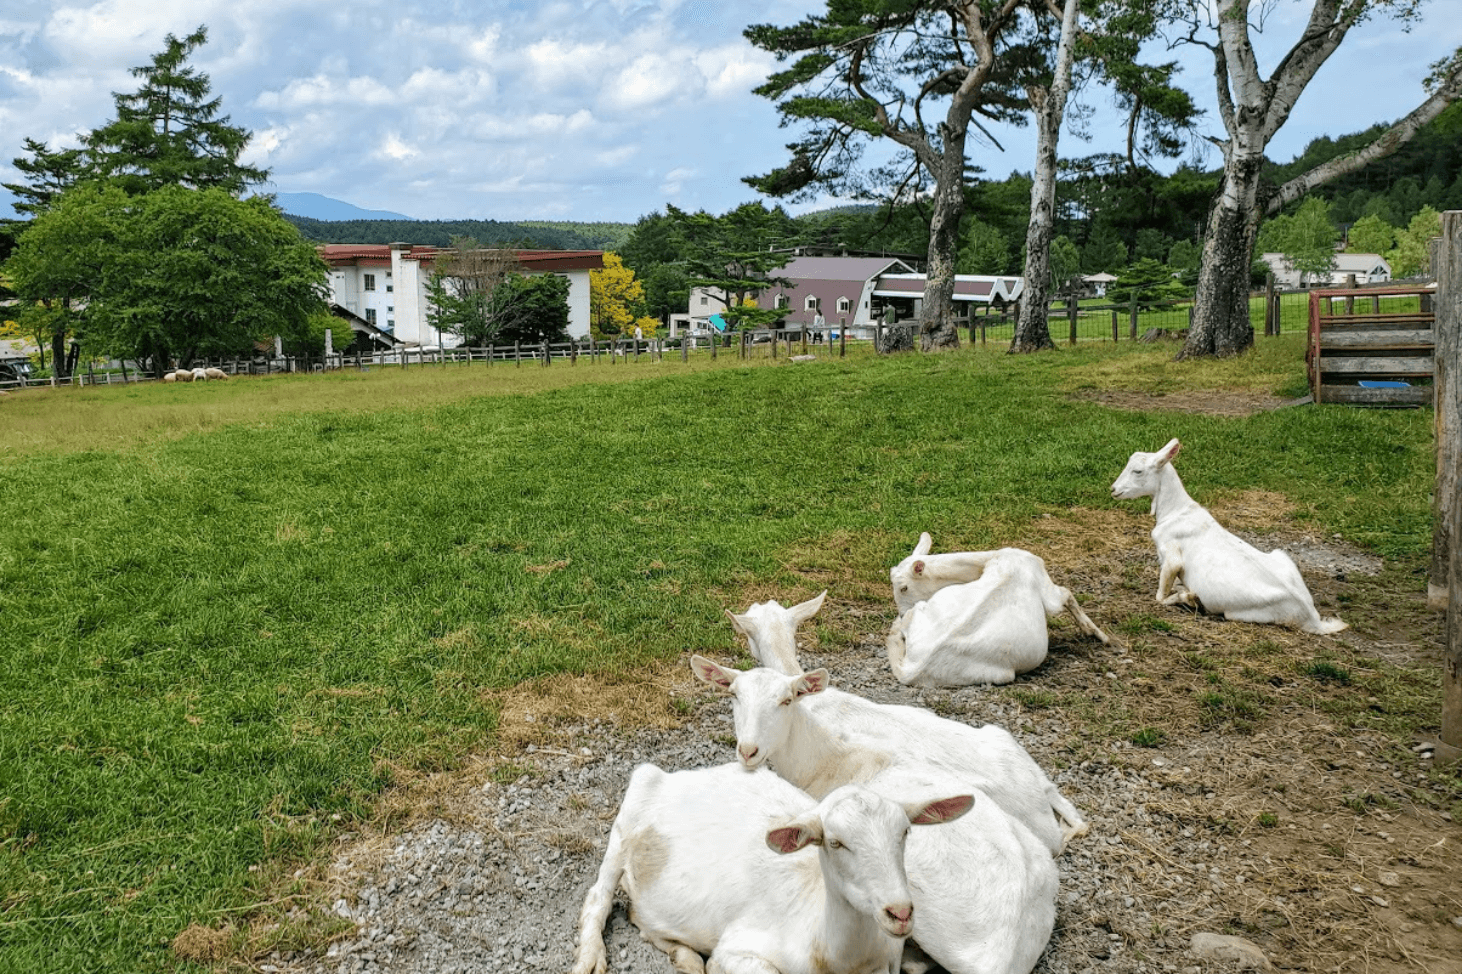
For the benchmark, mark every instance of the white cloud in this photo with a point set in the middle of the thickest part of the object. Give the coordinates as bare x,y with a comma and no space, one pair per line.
395,149
674,181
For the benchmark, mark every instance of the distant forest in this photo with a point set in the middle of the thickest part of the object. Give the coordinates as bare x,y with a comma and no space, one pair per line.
526,235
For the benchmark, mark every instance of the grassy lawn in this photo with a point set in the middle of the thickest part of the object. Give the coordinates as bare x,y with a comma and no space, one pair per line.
234,613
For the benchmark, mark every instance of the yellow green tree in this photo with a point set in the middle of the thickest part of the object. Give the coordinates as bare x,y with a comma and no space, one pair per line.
616,301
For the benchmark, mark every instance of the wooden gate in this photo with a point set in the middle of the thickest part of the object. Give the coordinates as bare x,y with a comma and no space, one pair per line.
1361,355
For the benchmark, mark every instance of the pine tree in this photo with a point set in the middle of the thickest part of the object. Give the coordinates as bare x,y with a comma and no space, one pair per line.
169,132
51,173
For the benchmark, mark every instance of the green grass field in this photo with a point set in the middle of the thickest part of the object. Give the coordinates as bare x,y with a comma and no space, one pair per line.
232,612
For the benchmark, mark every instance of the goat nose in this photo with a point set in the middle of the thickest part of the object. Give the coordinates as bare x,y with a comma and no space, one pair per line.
748,751
903,914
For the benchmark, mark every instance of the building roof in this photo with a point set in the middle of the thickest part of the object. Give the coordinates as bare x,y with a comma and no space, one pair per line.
839,268
538,261
1101,278
967,287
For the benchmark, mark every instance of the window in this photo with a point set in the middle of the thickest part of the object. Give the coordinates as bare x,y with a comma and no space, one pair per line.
811,304
390,287
705,300
371,314
843,305
781,301
370,282
390,308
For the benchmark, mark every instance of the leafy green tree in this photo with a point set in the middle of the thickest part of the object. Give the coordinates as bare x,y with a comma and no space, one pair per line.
1411,255
1065,263
1370,235
1184,255
49,172
533,309
1152,283
984,250
913,72
1104,250
731,256
1151,243
1306,239
169,132
172,275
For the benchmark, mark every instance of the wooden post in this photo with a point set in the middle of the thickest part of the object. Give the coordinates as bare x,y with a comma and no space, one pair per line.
878,337
1350,298
775,342
125,380
1132,311
715,340
1271,323
804,342
843,342
1447,262
517,354
684,349
547,353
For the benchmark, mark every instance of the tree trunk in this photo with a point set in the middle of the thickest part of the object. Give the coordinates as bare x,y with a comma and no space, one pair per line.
1221,325
1032,334
937,329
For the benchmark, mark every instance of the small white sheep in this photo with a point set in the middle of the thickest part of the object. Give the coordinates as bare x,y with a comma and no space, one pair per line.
1224,574
974,616
710,861
183,375
213,373
170,377
830,737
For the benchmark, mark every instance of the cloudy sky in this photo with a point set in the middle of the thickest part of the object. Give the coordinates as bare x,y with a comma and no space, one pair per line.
540,109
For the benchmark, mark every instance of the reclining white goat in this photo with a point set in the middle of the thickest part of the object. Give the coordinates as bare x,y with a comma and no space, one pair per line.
1224,574
974,616
707,858
984,887
832,738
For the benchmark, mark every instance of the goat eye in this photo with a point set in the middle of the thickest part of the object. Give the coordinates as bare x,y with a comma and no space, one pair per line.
834,844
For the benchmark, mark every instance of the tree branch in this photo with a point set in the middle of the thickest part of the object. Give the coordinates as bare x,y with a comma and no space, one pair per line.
1389,141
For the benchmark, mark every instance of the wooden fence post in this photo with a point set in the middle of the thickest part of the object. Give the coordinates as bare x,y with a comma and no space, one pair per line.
1132,330
684,350
1271,317
843,342
1447,527
715,340
125,380
518,354
1071,315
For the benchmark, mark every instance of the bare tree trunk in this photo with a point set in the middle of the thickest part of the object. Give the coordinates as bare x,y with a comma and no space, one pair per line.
936,320
1221,325
1032,334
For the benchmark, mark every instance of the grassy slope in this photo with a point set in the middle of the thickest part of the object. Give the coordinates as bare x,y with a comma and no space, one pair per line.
215,642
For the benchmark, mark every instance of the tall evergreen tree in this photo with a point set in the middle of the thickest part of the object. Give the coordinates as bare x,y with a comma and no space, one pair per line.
169,132
50,172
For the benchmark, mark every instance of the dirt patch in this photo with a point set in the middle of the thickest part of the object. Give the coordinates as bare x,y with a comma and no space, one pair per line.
203,945
1239,779
1212,402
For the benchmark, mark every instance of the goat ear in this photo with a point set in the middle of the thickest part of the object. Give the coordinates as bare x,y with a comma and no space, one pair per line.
918,568
1167,453
809,683
714,674
801,613
738,622
942,810
925,545
798,835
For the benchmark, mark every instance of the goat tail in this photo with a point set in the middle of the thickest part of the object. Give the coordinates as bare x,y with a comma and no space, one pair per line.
590,956
1328,626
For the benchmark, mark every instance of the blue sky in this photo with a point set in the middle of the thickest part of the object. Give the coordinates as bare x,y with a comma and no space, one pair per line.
547,110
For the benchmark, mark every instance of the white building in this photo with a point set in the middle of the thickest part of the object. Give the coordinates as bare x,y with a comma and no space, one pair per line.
386,285
1367,268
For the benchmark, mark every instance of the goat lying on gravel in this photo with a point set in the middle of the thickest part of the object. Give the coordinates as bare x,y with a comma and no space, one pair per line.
1224,574
974,616
829,737
984,888
707,858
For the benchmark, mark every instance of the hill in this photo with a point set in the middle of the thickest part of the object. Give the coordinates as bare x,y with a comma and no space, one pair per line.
317,207
547,235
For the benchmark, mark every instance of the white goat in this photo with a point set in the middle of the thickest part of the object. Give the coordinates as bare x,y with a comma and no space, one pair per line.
984,888
183,375
1224,574
200,374
169,377
974,616
771,631
213,373
707,859
847,738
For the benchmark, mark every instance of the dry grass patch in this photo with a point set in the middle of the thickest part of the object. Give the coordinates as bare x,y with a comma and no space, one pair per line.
198,944
1209,402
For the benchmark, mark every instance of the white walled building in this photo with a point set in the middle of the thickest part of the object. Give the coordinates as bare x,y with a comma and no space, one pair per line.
386,285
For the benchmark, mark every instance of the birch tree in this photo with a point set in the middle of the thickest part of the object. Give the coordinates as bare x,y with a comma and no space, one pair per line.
1253,108
919,73
1048,106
